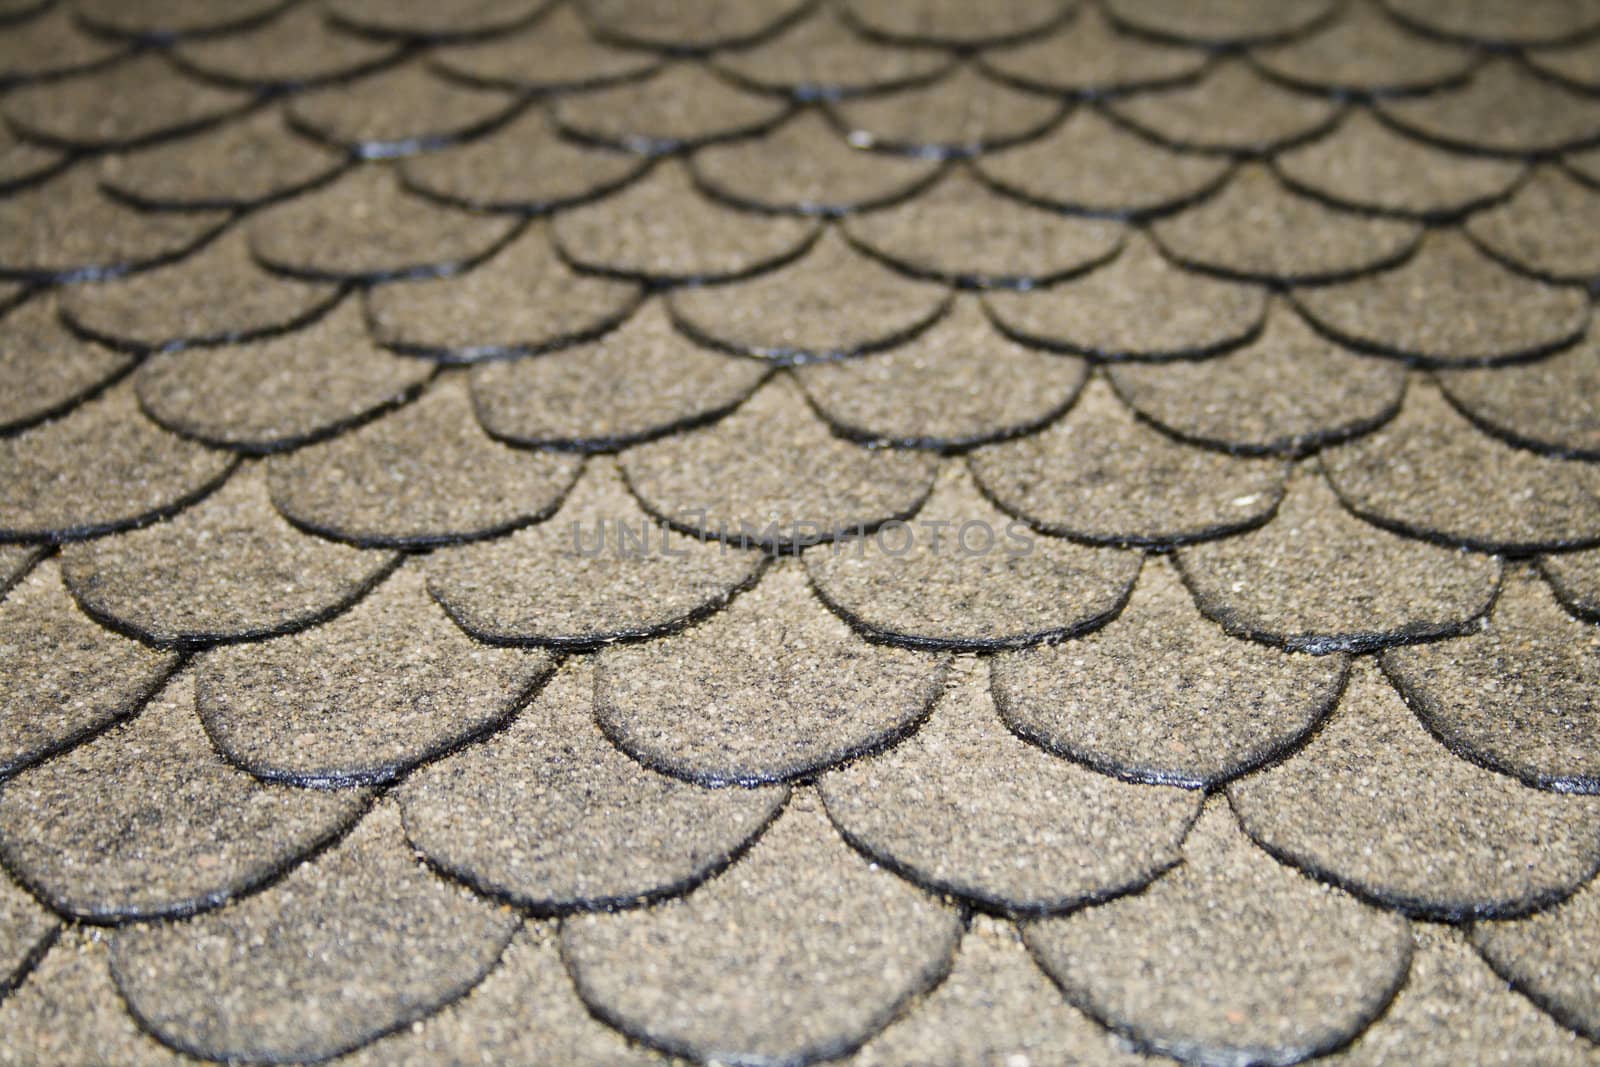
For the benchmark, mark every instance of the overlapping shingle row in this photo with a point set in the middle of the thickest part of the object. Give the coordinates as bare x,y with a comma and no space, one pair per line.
616,530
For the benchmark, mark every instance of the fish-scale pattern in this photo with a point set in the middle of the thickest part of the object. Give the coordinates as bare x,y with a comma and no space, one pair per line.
973,533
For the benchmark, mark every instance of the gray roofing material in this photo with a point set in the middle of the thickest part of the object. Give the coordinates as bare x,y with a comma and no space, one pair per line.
893,533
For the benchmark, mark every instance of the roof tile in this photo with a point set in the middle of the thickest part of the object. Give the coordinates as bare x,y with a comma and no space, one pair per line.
1231,110
488,1024
1430,473
1538,230
1477,312
1230,958
237,165
1365,165
44,370
1225,23
1375,804
1503,110
26,933
569,57
641,381
833,302
1106,313
1578,64
1162,695
228,568
660,230
771,474
1090,58
1256,230
349,230
963,233
689,25
73,981
1287,391
175,18
50,46
215,296
1454,1007
110,830
68,231
1100,475
365,696
136,101
962,114
1575,577
65,678
1550,405
683,106
804,954
1318,579
426,19
1092,166
360,941
1498,22
995,1005
491,174
400,480
953,23
1517,696
957,384
598,571
280,391
548,814
398,112
294,50
806,167
822,57
1053,836
23,163
103,467
1551,958
523,299
1363,52
15,562
962,576
773,688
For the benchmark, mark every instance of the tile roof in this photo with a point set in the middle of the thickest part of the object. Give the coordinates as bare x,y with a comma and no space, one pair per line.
890,532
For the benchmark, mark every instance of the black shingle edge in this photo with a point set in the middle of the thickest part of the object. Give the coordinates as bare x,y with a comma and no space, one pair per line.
1414,907
1201,1055
1322,644
1267,757
585,643
83,532
925,643
617,735
388,773
989,903
1296,447
788,356
309,315
616,443
545,908
1427,711
463,355
200,641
